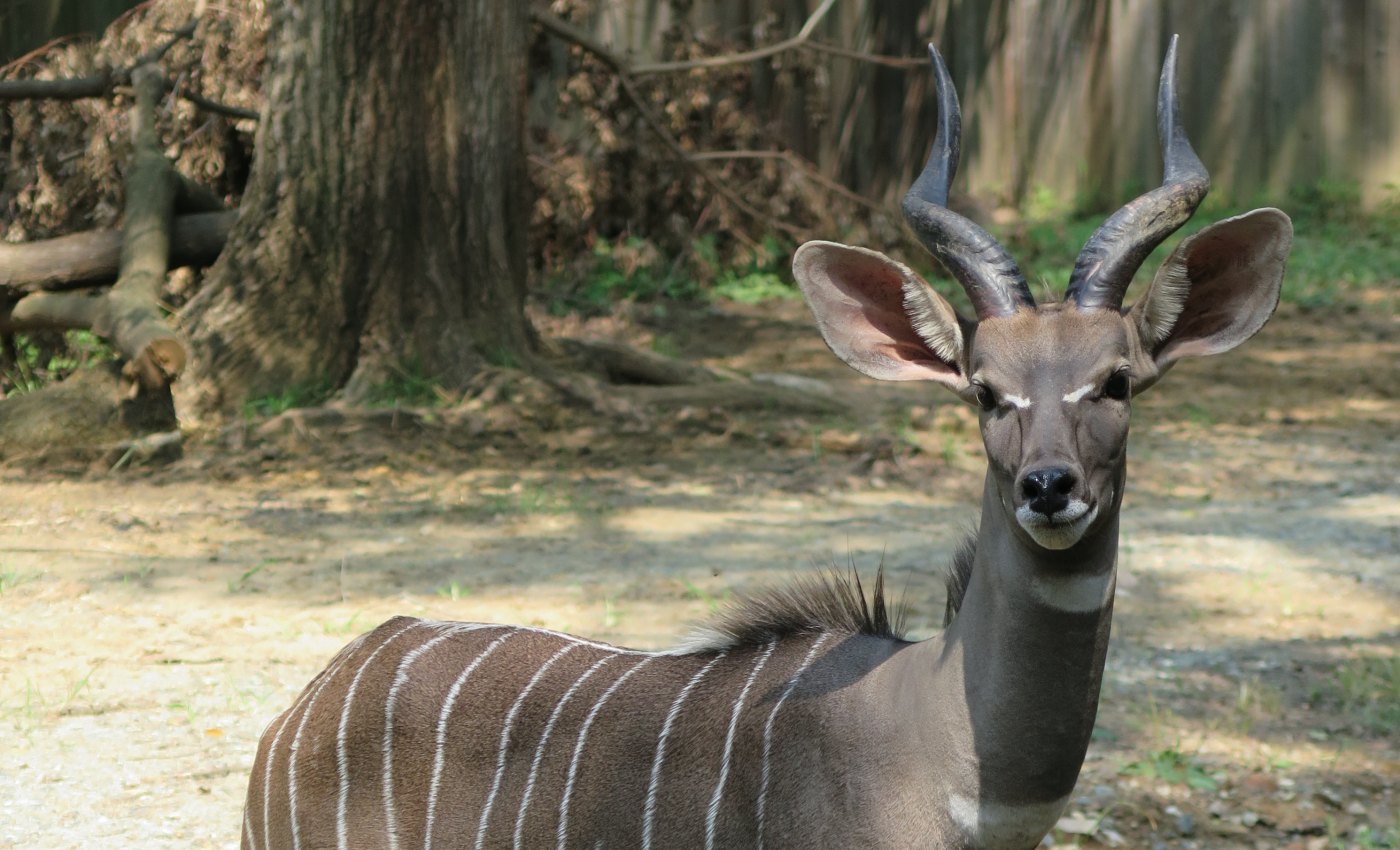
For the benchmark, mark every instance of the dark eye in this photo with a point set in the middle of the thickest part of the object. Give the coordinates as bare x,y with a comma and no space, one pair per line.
1117,386
986,398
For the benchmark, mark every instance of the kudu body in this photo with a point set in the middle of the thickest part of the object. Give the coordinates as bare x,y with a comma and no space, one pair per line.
800,718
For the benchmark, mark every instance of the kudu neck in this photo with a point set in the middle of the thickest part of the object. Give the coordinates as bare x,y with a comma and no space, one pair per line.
1015,676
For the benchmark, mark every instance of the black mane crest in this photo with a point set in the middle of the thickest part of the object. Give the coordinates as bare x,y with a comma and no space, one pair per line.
812,604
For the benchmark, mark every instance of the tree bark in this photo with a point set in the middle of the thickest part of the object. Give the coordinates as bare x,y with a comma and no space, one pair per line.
383,226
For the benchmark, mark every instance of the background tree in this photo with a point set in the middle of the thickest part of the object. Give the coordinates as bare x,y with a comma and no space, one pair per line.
383,226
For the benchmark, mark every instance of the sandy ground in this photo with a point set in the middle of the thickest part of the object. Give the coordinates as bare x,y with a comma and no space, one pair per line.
153,621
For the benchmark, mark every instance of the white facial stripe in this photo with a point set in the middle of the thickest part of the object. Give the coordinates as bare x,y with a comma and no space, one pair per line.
768,731
988,824
1017,401
1062,529
650,811
1079,393
563,831
544,739
505,740
713,813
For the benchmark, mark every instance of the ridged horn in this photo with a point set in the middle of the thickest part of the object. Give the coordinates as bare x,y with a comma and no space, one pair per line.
1113,254
986,271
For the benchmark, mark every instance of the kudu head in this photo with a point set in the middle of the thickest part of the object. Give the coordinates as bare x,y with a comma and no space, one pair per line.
1054,382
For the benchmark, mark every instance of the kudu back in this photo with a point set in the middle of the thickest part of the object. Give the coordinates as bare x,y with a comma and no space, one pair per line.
801,718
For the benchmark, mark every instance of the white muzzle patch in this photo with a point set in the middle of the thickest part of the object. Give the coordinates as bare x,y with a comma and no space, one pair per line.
1061,529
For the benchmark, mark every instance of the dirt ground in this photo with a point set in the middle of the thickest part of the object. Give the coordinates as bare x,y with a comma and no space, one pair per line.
154,619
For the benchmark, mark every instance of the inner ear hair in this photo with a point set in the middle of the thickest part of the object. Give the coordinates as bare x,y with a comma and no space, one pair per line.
933,320
1157,311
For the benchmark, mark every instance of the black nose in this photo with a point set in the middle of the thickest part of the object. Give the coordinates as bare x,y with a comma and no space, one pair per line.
1047,490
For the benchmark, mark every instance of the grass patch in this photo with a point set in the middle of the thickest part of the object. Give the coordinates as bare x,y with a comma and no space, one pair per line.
1369,689
1172,766
1343,255
412,386
11,578
307,393
40,359
634,269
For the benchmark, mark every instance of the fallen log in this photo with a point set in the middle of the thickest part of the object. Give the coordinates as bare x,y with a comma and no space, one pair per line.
82,260
129,313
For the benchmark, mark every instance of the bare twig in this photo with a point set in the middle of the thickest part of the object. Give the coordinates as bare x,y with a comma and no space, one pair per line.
620,67
798,164
739,58
218,108
910,63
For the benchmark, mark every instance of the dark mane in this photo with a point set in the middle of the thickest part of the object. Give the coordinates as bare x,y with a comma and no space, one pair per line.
830,601
959,574
826,602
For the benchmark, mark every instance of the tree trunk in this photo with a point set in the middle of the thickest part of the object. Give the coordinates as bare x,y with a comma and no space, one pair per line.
383,226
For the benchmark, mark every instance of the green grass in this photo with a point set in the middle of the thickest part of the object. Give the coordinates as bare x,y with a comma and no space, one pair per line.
1369,689
306,393
1340,250
634,269
412,386
1172,766
11,578
40,361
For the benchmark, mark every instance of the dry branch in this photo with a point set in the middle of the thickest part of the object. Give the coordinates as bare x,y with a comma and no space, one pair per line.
620,67
81,260
737,58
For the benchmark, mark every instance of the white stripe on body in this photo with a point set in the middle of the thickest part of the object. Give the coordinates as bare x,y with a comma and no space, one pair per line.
342,840
578,748
713,814
650,810
296,746
544,739
768,730
439,754
276,739
391,816
505,741
248,830
618,650
1017,401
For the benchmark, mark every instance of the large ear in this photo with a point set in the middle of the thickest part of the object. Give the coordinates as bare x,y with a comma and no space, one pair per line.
879,316
1214,292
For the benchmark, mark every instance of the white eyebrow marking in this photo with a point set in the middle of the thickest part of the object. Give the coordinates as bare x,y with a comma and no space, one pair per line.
1079,393
1017,401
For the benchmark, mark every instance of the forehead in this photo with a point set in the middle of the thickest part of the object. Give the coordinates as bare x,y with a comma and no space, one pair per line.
1056,339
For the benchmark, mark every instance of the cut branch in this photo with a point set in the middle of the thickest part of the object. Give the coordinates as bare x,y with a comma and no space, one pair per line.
81,260
73,89
131,316
63,311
